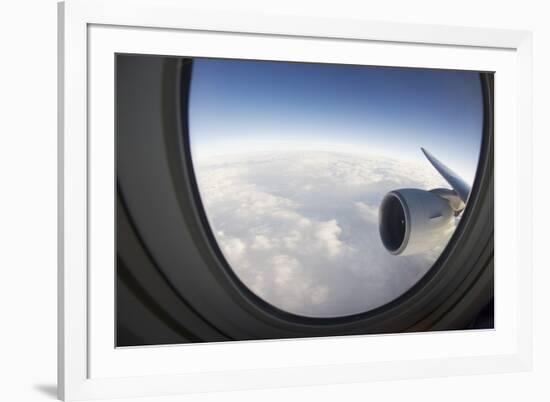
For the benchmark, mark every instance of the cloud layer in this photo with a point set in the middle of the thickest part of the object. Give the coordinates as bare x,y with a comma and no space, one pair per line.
300,229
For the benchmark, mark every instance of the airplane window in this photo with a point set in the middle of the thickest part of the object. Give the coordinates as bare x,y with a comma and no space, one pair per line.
267,200
331,190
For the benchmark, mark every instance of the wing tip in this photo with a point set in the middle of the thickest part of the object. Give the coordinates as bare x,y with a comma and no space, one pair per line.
427,154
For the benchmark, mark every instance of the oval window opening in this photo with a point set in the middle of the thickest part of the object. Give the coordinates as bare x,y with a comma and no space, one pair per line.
332,189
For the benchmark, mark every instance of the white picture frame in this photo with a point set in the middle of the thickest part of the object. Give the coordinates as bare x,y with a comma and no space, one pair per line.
91,32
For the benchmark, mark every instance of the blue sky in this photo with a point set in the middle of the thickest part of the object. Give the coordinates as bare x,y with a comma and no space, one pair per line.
241,105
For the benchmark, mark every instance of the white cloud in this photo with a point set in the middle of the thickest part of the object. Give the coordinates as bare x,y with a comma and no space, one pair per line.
261,242
301,229
285,269
233,248
368,212
327,233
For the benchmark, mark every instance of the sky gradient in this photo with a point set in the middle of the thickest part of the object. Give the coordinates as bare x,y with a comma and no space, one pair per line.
240,105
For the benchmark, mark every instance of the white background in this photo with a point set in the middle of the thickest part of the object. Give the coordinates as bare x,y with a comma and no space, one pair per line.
28,200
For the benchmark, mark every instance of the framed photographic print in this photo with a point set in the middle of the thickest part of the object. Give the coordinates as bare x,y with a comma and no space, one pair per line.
258,201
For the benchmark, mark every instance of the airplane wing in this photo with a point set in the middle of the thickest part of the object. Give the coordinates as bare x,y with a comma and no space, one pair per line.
458,185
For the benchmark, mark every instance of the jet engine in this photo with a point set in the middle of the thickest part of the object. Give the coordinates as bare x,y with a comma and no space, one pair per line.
412,221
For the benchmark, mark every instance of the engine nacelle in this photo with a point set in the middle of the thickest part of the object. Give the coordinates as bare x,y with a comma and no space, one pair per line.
412,221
